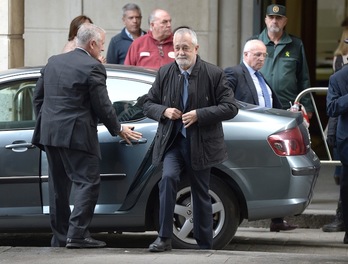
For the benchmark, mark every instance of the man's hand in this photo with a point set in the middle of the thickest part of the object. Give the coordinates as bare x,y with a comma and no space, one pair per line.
128,134
172,113
189,118
331,141
102,59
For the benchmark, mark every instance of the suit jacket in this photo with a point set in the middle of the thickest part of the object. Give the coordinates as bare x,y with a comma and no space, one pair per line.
337,102
239,79
70,99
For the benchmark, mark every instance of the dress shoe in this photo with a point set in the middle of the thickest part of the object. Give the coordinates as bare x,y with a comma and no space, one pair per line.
336,226
160,245
284,226
87,242
345,239
337,179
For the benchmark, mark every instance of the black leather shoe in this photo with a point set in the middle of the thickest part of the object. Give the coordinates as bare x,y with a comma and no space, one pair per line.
84,243
336,226
345,239
160,245
284,226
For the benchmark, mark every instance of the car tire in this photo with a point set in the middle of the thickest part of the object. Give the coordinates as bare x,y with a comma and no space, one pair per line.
226,215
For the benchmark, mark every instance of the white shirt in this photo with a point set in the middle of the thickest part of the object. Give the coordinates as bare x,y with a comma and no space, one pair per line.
258,87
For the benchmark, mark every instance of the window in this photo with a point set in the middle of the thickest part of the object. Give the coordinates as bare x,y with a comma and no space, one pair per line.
16,107
127,97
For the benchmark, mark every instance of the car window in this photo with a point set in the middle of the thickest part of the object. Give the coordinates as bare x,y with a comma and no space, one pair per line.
16,107
127,97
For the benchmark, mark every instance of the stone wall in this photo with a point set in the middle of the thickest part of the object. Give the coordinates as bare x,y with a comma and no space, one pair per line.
215,21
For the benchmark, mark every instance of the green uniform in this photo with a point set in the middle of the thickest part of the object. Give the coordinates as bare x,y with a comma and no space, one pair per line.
286,69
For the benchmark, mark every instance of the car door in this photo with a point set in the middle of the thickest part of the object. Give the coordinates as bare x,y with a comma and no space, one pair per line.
19,159
123,166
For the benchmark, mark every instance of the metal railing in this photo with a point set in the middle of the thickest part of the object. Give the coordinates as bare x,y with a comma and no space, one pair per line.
310,91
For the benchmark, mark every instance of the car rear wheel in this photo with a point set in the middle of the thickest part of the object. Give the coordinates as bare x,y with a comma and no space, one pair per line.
225,215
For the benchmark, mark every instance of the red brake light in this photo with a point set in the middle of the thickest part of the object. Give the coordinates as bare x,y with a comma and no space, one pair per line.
288,142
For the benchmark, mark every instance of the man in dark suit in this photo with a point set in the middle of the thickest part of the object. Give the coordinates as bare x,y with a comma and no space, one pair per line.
242,79
337,106
70,99
249,86
189,99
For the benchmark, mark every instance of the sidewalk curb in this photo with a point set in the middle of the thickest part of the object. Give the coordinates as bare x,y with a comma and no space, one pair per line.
313,219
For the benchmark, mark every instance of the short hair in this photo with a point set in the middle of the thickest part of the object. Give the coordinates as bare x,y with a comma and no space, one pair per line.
130,7
75,24
88,32
154,15
186,30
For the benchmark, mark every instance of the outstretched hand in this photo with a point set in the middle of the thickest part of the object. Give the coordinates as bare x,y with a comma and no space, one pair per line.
128,134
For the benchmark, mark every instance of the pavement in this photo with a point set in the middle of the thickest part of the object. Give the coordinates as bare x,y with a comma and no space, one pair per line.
253,242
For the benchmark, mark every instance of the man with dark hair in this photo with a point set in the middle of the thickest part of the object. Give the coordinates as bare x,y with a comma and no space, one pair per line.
119,44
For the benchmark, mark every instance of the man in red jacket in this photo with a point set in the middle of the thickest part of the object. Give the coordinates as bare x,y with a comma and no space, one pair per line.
156,47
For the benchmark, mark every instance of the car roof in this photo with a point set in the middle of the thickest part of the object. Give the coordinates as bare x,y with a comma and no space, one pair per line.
109,67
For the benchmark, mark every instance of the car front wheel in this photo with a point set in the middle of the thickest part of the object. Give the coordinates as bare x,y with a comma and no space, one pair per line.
225,215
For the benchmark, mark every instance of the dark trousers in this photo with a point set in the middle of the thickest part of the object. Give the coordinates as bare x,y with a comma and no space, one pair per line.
77,171
342,147
344,194
177,162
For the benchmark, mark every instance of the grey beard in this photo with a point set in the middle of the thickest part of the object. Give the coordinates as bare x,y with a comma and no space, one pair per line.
183,63
274,29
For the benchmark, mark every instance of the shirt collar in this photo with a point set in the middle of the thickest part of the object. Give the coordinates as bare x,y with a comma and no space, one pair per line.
189,70
130,35
251,70
84,51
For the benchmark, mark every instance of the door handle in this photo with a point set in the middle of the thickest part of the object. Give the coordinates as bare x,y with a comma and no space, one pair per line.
20,147
134,141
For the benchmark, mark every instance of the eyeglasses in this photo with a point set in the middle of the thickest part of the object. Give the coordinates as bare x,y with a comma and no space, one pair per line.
259,54
160,50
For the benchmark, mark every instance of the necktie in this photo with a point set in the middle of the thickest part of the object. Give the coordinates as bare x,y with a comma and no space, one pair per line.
184,98
264,89
185,89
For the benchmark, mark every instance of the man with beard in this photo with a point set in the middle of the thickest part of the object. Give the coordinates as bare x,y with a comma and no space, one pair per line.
286,71
285,67
189,98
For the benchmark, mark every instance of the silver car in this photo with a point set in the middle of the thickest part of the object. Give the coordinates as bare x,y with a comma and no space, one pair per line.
271,170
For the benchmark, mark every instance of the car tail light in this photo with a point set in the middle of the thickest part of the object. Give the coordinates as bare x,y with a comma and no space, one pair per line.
289,142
